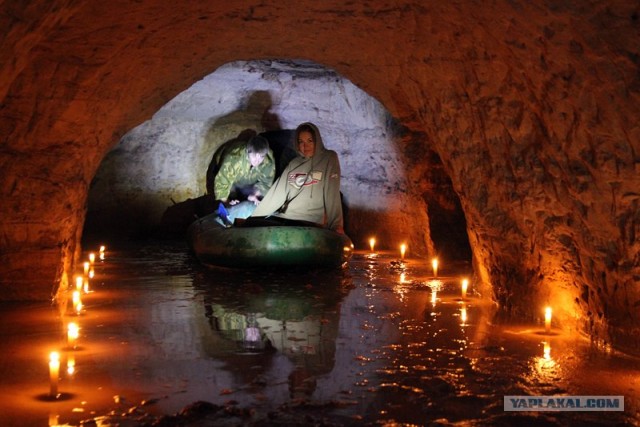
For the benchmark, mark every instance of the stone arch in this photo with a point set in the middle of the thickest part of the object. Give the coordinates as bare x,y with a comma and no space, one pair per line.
531,107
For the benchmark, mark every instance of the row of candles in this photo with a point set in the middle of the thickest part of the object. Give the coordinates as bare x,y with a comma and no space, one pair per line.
464,283
72,329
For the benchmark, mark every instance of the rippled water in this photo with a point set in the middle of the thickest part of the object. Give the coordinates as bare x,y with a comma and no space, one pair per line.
380,342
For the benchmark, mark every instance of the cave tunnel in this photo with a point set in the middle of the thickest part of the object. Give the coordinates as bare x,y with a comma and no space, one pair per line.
512,125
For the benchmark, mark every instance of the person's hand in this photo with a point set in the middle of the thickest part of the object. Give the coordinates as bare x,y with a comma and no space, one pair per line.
233,202
254,198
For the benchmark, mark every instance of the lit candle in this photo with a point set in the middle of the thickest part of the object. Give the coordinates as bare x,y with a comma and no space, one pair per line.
372,243
92,258
86,268
54,370
79,280
92,273
403,249
465,285
78,307
547,319
434,264
72,334
86,286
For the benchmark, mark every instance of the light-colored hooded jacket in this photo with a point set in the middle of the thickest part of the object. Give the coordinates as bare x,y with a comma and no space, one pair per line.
308,189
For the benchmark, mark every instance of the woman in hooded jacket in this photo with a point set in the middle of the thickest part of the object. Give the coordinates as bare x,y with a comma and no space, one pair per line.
308,190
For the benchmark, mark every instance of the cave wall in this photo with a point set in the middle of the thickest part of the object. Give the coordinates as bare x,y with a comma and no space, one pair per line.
532,107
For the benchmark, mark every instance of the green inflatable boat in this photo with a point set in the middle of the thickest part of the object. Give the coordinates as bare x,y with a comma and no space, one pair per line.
216,245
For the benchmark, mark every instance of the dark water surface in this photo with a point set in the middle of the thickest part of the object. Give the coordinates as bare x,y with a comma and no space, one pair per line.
378,343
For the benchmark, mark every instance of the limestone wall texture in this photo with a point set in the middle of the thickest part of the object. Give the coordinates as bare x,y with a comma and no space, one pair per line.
532,106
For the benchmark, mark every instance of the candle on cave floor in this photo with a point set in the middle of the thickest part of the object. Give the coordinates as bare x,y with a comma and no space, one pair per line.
547,319
372,243
465,285
86,286
92,273
86,268
54,371
72,334
92,258
102,249
403,250
79,280
434,265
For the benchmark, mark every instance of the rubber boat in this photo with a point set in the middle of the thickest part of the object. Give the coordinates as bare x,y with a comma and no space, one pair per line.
248,247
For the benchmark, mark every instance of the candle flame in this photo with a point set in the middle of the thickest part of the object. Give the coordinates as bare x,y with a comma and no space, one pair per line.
372,243
92,258
403,250
86,267
434,265
79,282
465,285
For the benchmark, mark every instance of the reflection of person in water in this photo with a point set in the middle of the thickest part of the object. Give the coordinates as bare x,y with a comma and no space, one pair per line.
274,335
308,190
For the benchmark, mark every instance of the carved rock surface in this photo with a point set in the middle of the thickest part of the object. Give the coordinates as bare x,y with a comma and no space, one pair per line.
532,108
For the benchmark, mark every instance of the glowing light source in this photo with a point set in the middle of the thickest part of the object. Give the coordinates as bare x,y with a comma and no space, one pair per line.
54,371
102,249
86,267
463,315
547,351
92,258
71,364
464,286
372,243
403,250
434,265
434,296
72,334
547,319
79,280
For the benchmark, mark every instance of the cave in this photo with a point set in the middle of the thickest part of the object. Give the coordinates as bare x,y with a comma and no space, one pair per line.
506,134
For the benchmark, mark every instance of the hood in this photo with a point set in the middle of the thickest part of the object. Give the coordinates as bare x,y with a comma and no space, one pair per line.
319,143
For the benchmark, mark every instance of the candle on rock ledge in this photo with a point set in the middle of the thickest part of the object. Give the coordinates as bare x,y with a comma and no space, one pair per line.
72,334
434,265
372,243
92,258
403,250
102,249
86,268
547,319
54,371
465,285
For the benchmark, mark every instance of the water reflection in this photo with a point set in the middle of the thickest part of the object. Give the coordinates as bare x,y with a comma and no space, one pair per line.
285,325
382,342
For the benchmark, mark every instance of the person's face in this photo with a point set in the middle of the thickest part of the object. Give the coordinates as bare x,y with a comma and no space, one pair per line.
306,144
256,158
